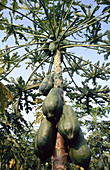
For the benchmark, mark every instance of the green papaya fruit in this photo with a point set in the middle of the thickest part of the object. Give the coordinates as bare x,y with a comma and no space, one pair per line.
45,140
52,46
46,85
52,105
100,165
66,42
79,152
68,124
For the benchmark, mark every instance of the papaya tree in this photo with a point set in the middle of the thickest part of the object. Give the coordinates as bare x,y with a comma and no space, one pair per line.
45,33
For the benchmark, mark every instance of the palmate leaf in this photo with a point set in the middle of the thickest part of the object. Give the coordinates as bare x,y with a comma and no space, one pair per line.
97,73
87,95
23,96
8,60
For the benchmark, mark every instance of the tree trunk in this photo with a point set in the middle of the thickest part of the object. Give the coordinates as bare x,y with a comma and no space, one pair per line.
60,155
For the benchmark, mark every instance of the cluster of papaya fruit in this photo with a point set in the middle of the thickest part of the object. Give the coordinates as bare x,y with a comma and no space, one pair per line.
57,112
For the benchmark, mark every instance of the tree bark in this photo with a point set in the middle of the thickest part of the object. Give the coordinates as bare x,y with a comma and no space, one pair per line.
60,155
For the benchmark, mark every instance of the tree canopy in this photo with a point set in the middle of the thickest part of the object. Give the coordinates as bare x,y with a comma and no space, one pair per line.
31,31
